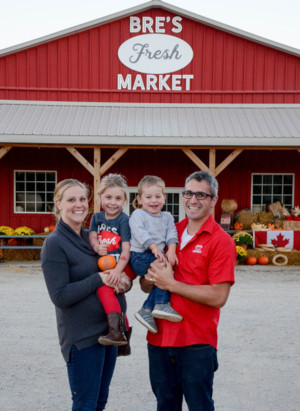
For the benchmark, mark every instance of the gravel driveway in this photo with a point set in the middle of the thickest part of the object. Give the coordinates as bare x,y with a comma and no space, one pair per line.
259,337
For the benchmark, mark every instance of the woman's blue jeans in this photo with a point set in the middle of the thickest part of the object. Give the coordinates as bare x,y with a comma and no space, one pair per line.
140,263
90,372
183,371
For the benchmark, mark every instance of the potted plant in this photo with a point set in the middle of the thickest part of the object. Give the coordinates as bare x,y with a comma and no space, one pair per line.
24,231
243,239
241,253
5,230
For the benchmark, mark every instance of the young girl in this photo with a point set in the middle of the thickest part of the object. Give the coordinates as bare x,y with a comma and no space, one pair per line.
110,234
151,231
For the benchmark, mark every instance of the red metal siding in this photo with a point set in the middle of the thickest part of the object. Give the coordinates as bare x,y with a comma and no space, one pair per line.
84,67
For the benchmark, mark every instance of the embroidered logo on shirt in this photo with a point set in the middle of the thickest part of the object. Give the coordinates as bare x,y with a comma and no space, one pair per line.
198,249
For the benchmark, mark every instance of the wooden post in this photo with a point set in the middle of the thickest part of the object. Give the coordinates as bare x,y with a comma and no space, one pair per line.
212,161
212,167
97,160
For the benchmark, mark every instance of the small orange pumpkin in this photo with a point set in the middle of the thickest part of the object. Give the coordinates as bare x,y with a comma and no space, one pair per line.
251,260
238,226
51,227
263,260
107,262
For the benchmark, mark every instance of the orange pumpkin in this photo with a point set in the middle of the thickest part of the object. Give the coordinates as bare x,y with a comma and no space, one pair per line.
238,226
263,260
51,227
107,262
251,260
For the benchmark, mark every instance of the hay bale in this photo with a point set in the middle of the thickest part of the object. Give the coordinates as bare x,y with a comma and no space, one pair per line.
276,209
265,217
20,255
293,256
229,206
278,223
38,241
291,225
247,218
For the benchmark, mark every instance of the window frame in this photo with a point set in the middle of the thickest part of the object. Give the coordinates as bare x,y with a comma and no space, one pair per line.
35,192
168,190
272,192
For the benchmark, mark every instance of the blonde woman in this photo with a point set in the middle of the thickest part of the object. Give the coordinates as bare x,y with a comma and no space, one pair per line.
71,272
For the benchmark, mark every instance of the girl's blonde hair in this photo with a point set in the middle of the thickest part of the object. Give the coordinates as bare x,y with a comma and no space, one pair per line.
148,181
113,180
60,189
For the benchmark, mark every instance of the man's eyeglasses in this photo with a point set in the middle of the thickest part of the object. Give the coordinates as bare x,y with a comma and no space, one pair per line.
199,195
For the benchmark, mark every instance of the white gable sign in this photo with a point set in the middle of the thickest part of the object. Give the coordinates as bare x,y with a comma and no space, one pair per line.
155,54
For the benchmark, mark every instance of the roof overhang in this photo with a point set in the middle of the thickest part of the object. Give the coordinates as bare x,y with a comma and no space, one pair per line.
150,125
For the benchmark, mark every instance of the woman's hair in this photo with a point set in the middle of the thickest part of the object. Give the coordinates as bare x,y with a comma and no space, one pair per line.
60,189
149,181
209,178
113,180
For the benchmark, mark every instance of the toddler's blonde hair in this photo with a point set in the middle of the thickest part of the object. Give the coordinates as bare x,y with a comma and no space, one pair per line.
148,181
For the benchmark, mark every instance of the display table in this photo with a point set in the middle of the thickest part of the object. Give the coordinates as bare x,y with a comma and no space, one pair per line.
284,238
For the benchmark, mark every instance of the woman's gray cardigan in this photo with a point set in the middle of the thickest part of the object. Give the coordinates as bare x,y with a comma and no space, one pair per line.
71,273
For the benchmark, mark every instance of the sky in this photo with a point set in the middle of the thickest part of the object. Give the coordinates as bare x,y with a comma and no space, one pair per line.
24,20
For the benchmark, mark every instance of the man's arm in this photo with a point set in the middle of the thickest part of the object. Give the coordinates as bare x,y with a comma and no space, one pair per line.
214,295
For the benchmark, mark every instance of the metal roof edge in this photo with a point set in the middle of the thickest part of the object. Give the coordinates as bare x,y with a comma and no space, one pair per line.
140,8
144,105
154,141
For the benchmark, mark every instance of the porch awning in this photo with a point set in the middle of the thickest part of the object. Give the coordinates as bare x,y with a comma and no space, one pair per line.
165,125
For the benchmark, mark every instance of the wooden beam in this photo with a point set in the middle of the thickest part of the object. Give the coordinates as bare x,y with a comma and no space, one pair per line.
192,156
3,151
97,176
112,160
227,161
81,159
212,161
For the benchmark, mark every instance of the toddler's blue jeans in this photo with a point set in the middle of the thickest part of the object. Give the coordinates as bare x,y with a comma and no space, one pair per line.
140,263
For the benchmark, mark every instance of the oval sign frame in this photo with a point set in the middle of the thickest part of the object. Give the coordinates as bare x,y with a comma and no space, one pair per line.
155,53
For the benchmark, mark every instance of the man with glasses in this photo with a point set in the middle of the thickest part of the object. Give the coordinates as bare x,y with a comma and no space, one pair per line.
183,356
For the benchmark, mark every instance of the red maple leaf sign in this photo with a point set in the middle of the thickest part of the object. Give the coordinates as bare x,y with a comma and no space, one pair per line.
280,241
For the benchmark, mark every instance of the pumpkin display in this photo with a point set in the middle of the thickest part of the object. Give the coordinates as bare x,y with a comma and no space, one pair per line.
107,262
251,260
263,260
238,226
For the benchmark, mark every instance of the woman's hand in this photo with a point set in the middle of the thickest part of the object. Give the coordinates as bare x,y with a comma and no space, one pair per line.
123,285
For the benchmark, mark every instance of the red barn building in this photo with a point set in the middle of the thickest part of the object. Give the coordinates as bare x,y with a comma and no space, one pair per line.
154,89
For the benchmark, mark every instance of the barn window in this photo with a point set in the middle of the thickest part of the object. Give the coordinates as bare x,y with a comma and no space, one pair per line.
269,188
33,191
173,202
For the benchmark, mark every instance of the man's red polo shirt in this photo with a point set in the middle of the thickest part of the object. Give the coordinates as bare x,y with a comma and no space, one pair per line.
208,258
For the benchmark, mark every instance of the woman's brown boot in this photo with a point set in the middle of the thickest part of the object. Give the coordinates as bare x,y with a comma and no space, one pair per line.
115,334
125,350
